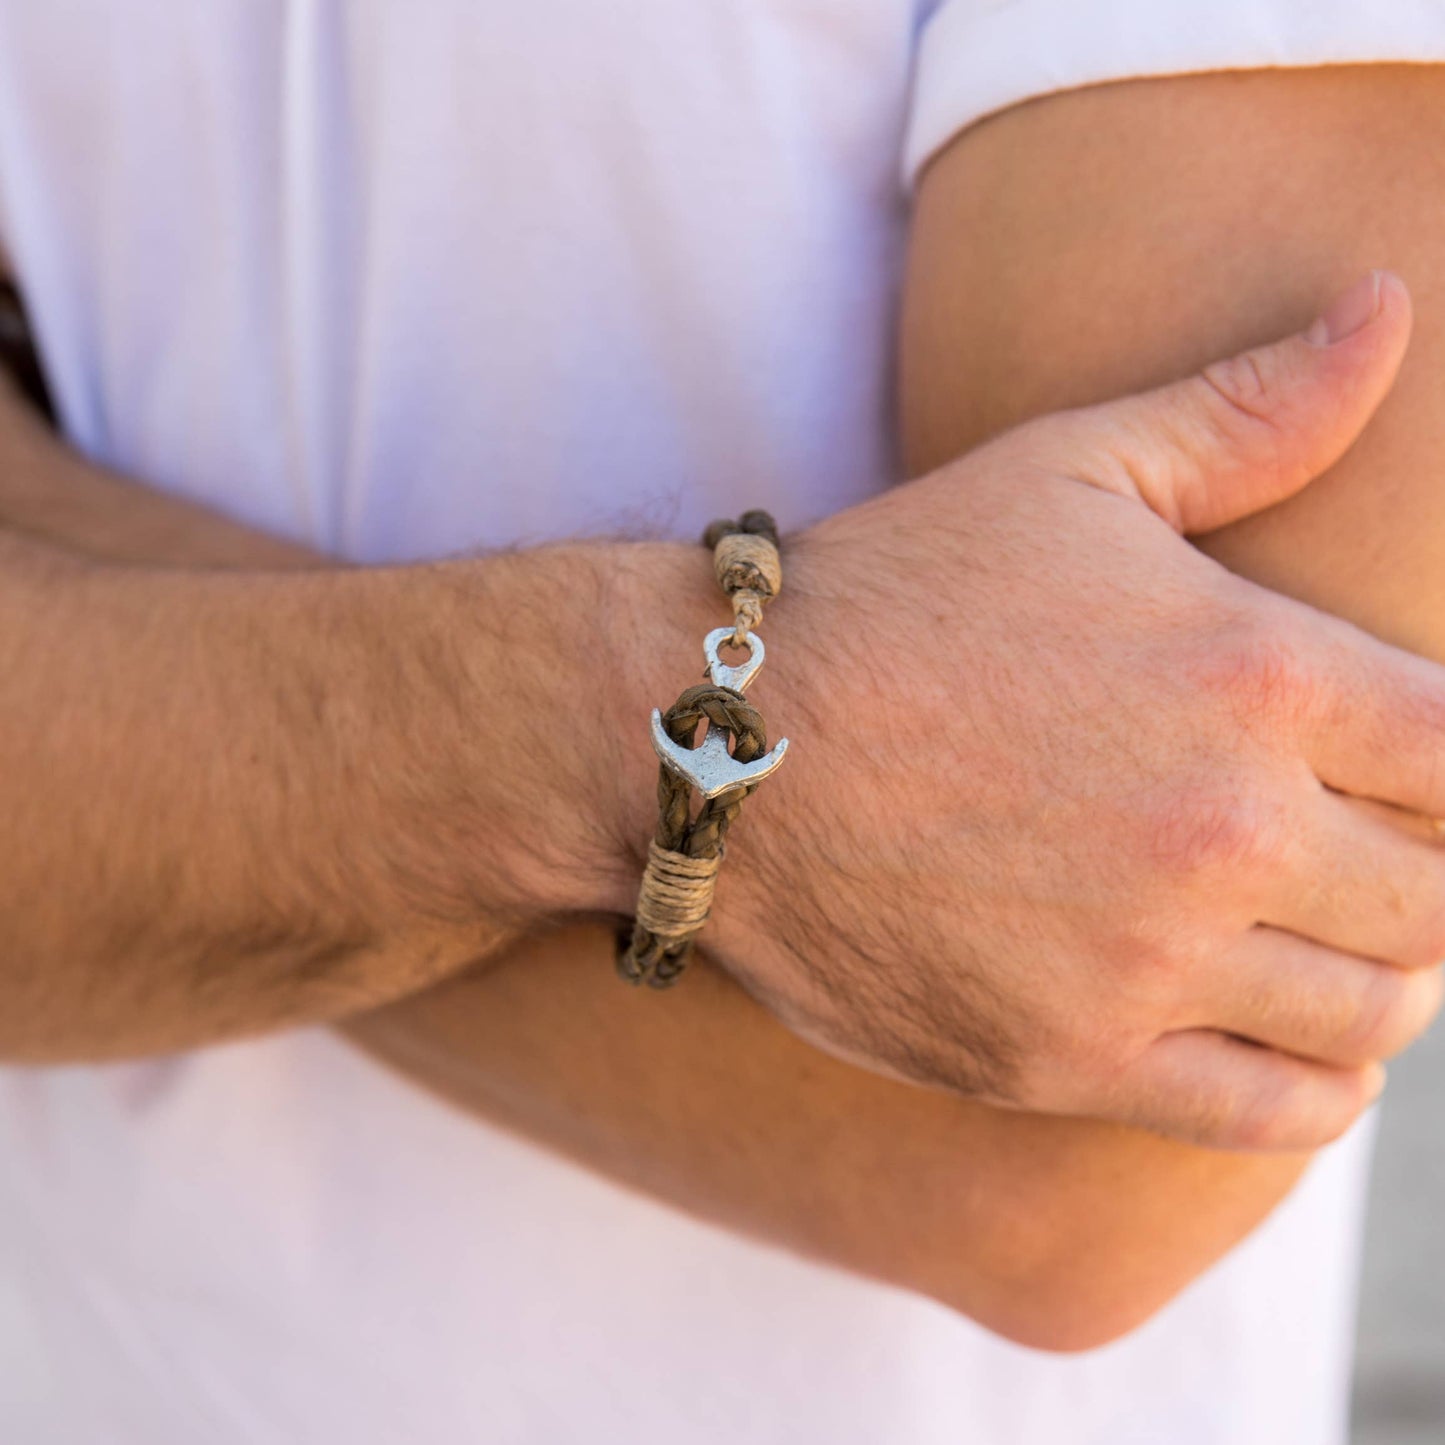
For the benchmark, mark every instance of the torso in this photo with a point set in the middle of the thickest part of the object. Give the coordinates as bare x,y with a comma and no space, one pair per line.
399,287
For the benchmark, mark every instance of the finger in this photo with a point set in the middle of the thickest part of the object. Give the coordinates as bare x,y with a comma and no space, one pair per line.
1332,1008
1360,885
1208,1088
1251,430
1412,825
1380,729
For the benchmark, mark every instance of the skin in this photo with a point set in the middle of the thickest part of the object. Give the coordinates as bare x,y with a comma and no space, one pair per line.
1060,1233
1036,282
274,850
1030,243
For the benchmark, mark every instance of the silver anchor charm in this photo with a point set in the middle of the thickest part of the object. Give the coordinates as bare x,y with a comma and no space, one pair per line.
709,767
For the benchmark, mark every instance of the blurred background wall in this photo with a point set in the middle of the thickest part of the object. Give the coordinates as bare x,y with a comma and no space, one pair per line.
1400,1377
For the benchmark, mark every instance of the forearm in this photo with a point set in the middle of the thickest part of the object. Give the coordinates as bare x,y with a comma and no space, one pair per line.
1058,1233
52,493
1063,255
246,798
1031,1225
1003,1216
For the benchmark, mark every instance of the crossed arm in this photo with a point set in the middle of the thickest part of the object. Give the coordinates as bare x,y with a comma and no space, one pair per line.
1032,1225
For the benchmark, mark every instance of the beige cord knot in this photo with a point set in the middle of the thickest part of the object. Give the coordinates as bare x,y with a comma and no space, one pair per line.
676,893
749,570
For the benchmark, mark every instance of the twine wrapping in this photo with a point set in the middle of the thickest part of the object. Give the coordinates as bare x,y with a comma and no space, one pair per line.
750,571
686,852
747,566
676,894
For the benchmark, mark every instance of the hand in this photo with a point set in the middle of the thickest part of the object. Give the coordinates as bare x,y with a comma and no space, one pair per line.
1071,821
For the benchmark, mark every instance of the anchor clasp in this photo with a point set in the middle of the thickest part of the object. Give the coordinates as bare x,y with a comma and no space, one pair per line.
709,767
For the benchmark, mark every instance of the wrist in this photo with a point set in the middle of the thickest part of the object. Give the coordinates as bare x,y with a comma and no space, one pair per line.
786,854
660,600
525,784
681,873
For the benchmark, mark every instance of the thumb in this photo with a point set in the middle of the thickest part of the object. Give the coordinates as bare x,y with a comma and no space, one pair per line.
1248,432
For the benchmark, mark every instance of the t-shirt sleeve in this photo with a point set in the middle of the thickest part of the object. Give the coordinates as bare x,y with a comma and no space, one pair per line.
980,56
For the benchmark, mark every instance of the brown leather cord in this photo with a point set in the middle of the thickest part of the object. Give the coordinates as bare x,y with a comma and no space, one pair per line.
685,851
657,958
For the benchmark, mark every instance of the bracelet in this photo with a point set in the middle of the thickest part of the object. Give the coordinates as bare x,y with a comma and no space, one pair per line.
686,852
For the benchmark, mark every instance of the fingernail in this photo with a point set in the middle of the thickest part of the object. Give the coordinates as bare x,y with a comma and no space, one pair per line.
1348,312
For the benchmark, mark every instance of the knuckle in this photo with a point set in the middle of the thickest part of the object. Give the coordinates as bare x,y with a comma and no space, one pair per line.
1427,950
1429,946
1243,386
1135,944
1263,673
1290,1113
1243,403
1141,975
1385,1018
1413,1002
1215,829
1386,708
1426,997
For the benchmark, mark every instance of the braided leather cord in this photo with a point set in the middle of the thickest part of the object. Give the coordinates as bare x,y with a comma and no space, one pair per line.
660,961
676,893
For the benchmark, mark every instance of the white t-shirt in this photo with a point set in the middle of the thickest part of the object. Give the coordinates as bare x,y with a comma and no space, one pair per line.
403,278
